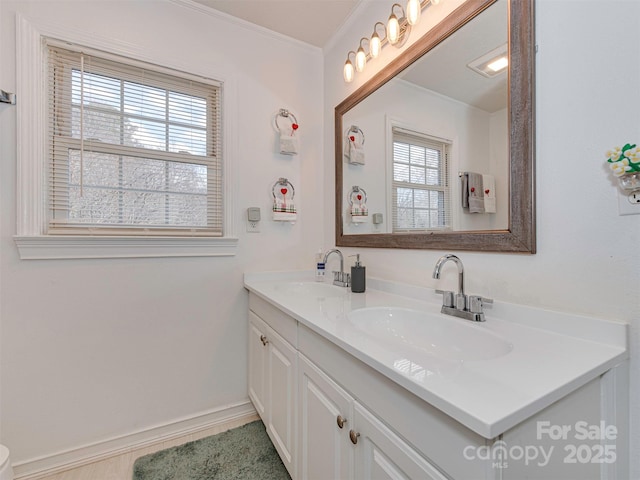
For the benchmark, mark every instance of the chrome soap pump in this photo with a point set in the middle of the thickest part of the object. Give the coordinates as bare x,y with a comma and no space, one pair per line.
358,276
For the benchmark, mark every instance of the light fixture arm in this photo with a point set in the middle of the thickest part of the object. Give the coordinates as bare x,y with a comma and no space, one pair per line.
384,30
400,7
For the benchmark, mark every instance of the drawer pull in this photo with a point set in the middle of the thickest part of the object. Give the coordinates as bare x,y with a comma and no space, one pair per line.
341,421
263,339
353,436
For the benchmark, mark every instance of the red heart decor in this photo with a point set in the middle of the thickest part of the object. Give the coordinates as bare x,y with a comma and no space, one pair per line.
359,197
294,126
352,138
284,191
473,189
487,191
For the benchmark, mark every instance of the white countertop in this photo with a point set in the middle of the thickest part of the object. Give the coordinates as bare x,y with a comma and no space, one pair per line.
553,353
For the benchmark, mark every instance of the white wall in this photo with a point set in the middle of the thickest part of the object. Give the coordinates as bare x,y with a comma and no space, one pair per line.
95,349
587,92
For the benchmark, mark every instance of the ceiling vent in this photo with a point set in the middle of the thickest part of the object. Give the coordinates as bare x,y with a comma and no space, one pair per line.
492,63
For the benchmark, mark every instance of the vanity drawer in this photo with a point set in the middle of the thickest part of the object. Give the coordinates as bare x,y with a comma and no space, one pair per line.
286,326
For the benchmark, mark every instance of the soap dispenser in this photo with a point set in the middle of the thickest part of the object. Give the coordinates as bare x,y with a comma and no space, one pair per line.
358,280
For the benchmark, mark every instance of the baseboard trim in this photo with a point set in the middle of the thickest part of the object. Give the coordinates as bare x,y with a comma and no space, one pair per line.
77,457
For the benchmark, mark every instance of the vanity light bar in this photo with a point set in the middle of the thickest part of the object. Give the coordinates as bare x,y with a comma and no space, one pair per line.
396,34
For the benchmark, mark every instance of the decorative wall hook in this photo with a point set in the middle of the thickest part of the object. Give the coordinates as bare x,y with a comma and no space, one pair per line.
284,210
358,202
287,130
354,145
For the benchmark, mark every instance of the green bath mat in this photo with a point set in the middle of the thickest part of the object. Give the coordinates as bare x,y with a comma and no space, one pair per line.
245,452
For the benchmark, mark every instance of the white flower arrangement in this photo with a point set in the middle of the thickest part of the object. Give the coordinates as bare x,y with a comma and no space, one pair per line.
624,160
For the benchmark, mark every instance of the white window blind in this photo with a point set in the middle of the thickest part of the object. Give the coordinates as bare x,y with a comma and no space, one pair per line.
420,186
133,150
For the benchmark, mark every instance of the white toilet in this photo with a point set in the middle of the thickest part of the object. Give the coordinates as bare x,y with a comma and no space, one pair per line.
6,472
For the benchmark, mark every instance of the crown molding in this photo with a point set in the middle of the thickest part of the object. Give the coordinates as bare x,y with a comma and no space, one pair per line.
347,24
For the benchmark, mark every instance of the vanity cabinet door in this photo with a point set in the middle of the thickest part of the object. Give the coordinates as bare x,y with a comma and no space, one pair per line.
281,378
325,413
272,387
381,454
257,361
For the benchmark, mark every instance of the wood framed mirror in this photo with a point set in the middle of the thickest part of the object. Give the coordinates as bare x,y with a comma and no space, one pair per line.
518,234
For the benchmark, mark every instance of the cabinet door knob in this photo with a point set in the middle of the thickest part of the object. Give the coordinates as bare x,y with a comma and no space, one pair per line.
264,340
353,436
341,421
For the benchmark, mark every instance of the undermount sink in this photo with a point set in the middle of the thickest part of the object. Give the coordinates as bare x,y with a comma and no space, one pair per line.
431,334
315,289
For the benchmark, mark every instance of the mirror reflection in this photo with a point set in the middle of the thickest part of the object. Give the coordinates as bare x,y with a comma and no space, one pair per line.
428,151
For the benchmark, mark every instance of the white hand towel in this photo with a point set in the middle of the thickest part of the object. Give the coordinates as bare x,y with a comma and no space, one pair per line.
288,144
356,153
285,216
284,212
489,186
360,209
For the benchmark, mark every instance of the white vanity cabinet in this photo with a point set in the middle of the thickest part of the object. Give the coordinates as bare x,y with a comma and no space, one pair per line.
339,403
341,439
273,385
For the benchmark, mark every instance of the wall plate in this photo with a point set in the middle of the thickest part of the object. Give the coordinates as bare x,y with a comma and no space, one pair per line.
628,202
253,227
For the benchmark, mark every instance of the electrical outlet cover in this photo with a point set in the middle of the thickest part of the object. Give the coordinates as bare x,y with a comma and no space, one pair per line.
253,227
628,203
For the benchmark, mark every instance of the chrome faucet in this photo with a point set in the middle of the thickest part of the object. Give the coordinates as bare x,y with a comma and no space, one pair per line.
459,305
340,278
460,298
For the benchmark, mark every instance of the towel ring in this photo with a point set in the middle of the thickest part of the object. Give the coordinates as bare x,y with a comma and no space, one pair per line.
283,183
357,130
286,114
356,190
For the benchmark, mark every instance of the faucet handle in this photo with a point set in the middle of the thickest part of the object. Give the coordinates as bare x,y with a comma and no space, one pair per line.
341,279
461,301
447,298
476,302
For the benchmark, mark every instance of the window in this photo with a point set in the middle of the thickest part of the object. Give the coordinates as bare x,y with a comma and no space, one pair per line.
133,150
420,187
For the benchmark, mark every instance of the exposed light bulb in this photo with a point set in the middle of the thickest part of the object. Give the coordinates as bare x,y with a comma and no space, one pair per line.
413,11
393,29
375,45
348,72
361,59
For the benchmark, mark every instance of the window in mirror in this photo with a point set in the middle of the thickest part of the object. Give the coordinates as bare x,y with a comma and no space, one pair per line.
420,186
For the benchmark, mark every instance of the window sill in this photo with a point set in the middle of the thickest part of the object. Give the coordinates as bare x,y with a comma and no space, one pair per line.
50,247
